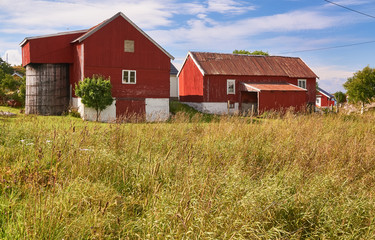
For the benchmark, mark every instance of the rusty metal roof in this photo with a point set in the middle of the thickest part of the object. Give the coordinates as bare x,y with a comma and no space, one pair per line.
251,65
258,87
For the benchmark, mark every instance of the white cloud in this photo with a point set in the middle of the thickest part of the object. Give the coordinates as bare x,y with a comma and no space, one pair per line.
209,33
332,78
13,57
39,14
225,6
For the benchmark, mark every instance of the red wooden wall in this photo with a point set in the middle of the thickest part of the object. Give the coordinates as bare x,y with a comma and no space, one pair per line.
191,83
281,100
54,49
217,86
325,102
104,54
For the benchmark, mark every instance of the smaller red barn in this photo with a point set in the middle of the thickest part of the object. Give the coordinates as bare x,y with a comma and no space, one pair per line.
227,83
324,99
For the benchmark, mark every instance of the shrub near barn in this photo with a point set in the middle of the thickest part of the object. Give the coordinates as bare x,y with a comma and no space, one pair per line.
95,93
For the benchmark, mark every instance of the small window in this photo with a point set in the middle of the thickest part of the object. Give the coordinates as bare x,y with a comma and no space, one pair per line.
129,77
128,46
302,83
231,84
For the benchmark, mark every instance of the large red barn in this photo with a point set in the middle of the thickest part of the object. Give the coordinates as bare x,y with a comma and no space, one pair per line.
227,83
138,67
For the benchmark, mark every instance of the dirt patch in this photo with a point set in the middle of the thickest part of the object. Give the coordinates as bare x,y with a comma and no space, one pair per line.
8,114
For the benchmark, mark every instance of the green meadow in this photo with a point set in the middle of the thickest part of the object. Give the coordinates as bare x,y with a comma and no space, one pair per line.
194,177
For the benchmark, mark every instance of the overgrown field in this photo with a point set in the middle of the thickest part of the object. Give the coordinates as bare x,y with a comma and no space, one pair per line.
293,177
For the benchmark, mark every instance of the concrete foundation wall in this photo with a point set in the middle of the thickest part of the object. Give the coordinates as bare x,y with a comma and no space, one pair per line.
89,114
174,87
157,109
213,107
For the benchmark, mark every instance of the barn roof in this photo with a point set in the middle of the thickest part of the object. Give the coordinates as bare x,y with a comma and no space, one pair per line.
258,87
174,70
325,93
250,65
52,35
119,14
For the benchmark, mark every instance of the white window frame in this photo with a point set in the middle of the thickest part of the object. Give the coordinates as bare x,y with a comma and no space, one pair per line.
302,82
230,82
129,72
318,101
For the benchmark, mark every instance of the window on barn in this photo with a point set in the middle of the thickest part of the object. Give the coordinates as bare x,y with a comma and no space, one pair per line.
302,83
129,77
128,46
231,84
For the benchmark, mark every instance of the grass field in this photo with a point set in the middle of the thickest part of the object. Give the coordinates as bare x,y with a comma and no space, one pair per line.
290,177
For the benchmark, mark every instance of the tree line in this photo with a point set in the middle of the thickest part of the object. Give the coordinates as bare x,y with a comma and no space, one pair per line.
12,88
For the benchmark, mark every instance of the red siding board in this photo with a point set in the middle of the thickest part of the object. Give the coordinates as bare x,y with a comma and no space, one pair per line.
218,86
325,102
191,83
26,54
130,107
151,64
54,49
280,100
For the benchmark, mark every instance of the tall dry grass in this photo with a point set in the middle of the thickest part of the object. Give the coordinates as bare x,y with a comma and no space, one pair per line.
289,177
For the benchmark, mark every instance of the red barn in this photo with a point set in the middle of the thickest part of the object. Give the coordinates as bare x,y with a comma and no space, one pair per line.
226,83
324,99
138,67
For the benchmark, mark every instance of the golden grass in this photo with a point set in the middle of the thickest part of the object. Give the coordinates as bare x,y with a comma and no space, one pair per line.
292,177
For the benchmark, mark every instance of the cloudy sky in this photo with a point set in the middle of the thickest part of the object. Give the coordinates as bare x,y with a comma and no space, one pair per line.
332,40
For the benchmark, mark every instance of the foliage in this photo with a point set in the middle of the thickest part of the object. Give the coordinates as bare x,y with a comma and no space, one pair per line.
361,87
20,69
11,88
6,67
296,177
95,93
10,83
256,52
180,110
340,97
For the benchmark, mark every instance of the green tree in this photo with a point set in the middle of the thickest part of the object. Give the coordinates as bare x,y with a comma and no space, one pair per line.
6,67
340,97
361,87
245,52
10,83
95,93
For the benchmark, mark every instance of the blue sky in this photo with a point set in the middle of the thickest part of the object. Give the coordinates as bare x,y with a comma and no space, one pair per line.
281,27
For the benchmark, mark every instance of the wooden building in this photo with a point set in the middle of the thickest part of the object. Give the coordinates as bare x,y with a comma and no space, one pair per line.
324,99
227,83
138,67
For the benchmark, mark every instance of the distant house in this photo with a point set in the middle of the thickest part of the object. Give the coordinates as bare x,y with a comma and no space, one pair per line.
138,67
226,83
324,99
17,74
173,83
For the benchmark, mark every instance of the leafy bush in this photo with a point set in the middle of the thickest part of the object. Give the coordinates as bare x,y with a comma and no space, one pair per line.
95,93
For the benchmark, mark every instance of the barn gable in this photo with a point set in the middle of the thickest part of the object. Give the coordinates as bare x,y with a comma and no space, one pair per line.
119,14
